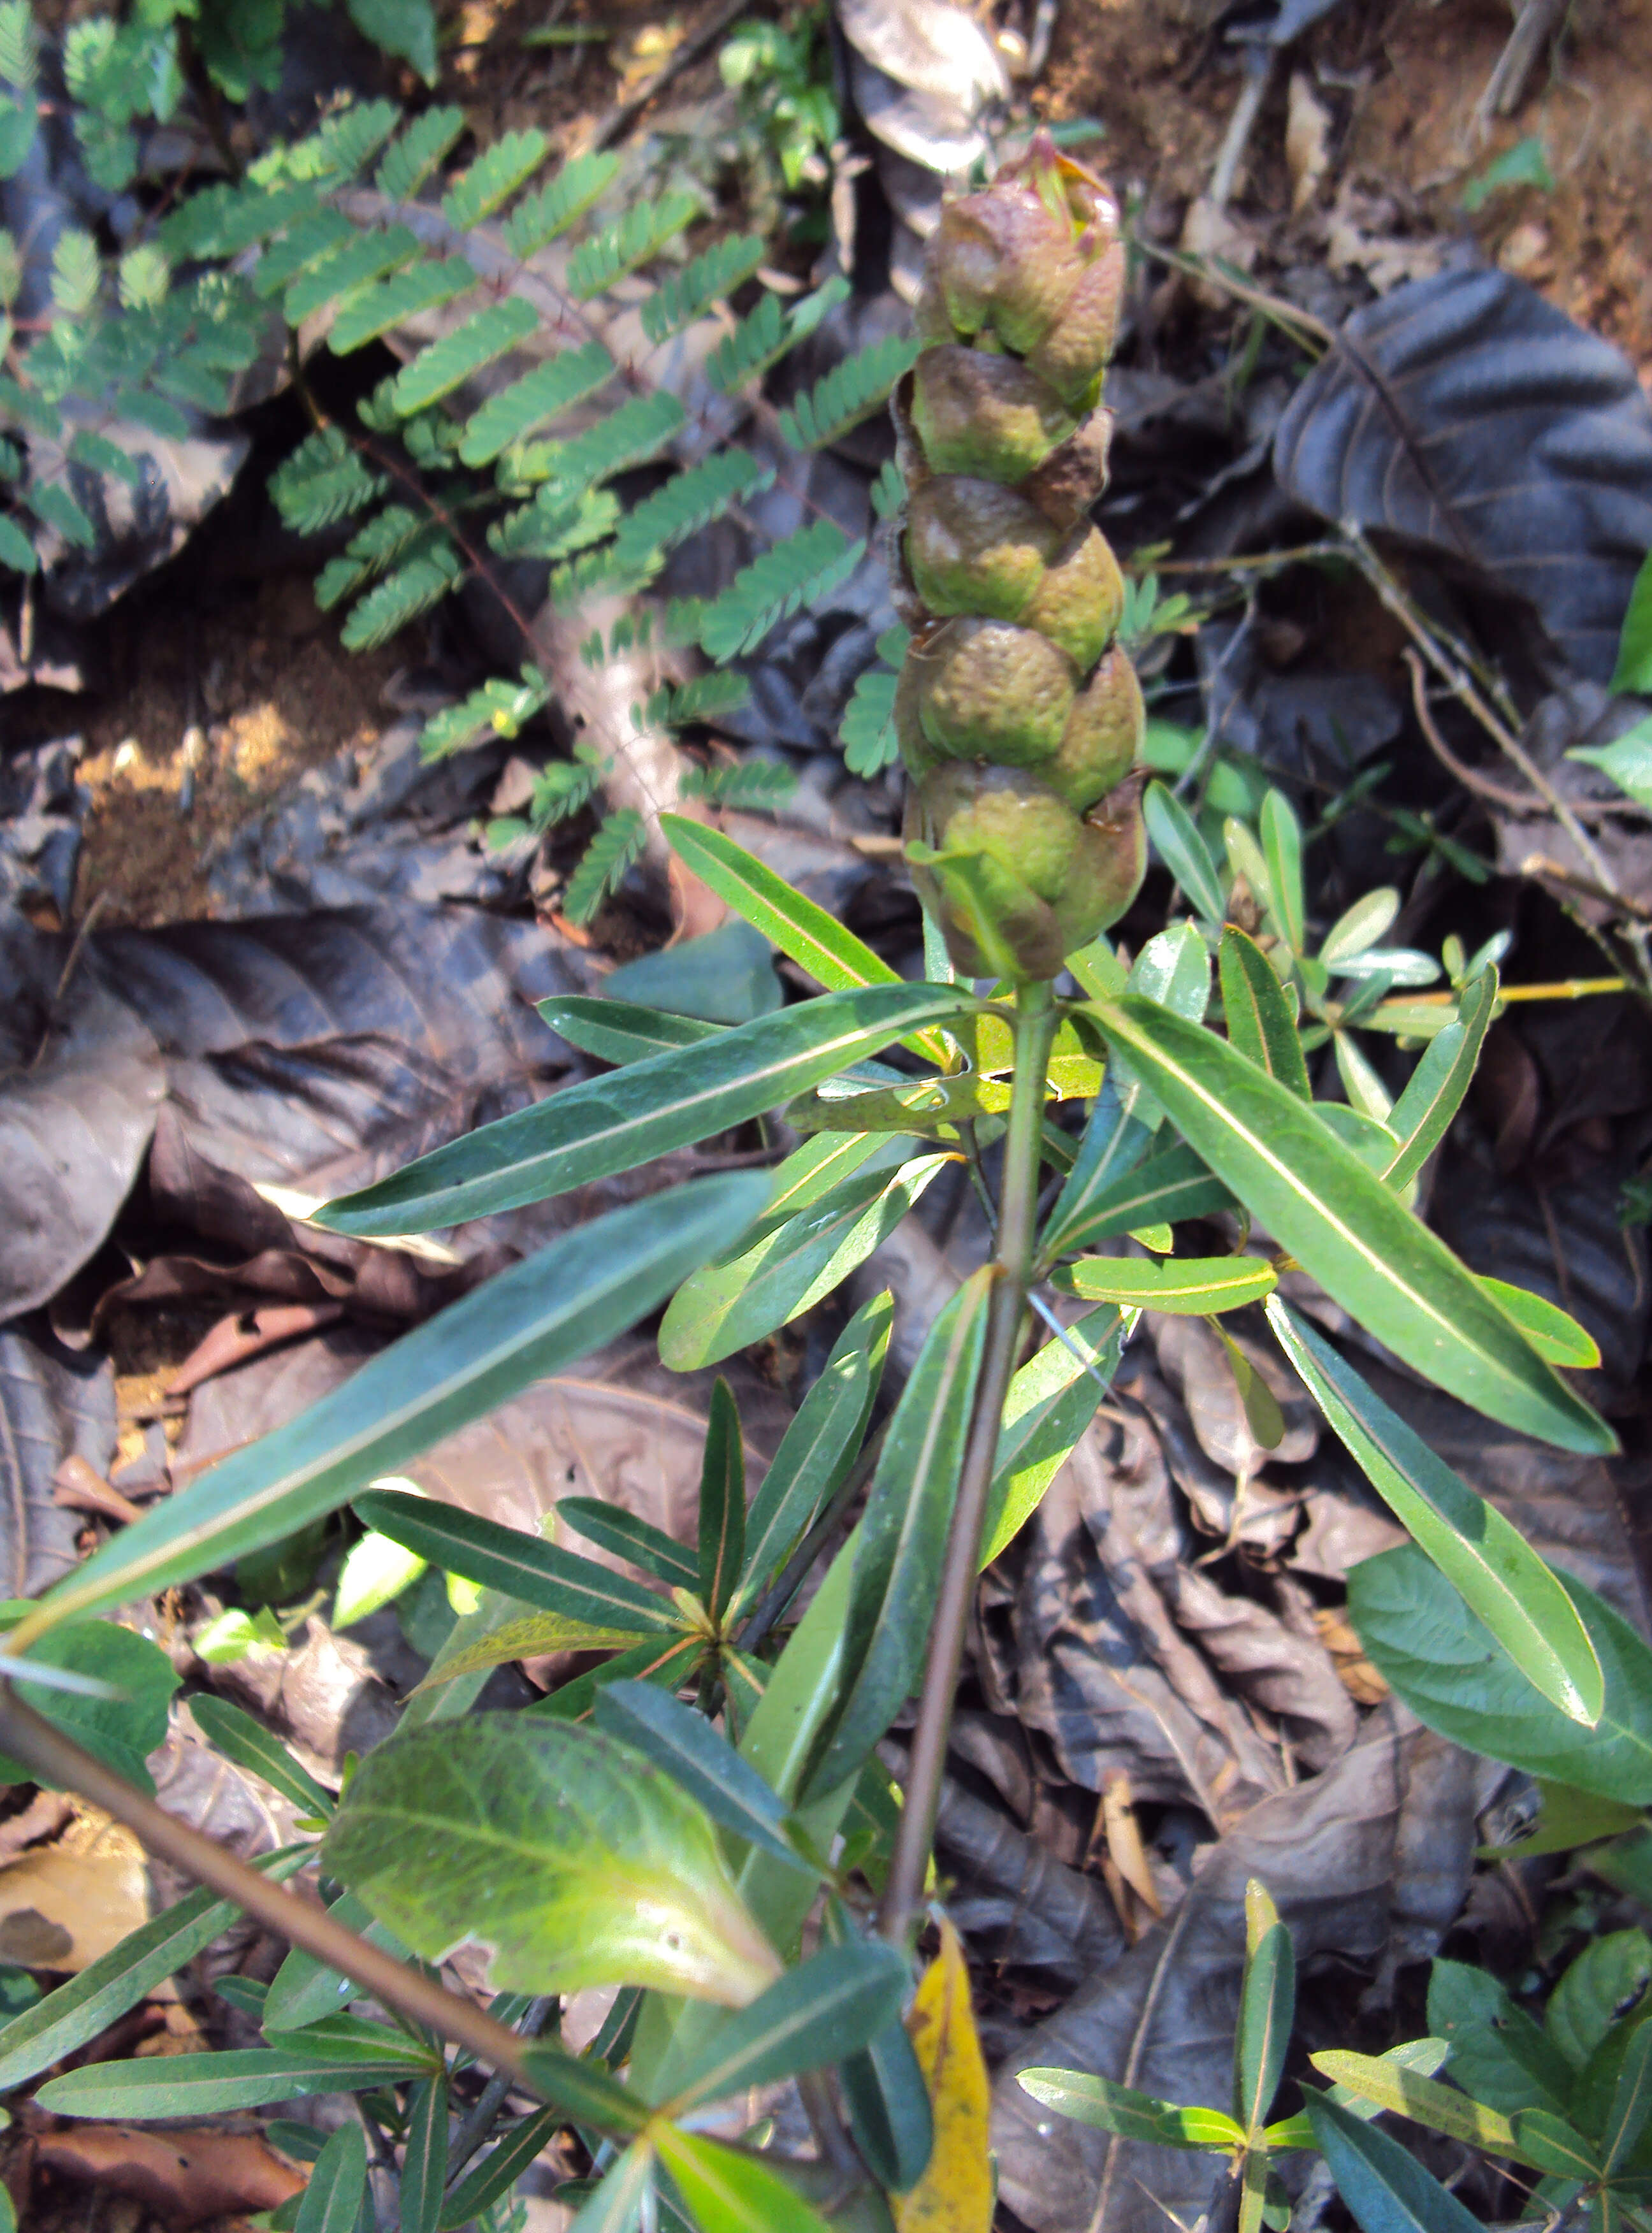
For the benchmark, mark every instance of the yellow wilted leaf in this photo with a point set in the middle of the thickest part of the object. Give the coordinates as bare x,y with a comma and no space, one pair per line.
955,2194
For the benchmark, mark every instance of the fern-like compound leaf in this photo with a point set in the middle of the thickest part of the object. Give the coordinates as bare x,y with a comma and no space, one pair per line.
611,852
370,256
541,216
324,480
15,549
314,236
642,425
442,367
76,270
51,502
104,456
767,334
867,734
688,502
698,285
888,491
19,45
802,569
376,310
343,143
534,401
565,788
850,392
764,785
412,157
497,709
493,178
411,590
640,234
389,535
555,527
222,221
702,699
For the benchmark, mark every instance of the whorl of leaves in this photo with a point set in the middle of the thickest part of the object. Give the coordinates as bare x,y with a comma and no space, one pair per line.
804,570
324,480
850,392
689,292
377,310
493,178
532,402
640,234
543,216
616,845
410,160
445,364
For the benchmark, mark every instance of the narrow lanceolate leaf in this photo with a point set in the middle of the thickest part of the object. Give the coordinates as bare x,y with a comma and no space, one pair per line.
1282,848
902,1540
1114,1143
332,2201
1631,2106
571,1858
1113,2108
792,1266
833,2005
620,1030
1435,1091
722,1502
819,1447
684,1743
435,372
1454,1675
1554,1334
212,2084
1483,1556
804,933
499,2170
248,1744
1176,840
424,2169
1051,1400
1408,2094
639,1540
730,2193
64,2022
518,1565
614,2207
584,2089
1379,2179
1345,1227
535,1318
534,401
1168,1187
613,1123
1191,1286
1260,1021
1267,2006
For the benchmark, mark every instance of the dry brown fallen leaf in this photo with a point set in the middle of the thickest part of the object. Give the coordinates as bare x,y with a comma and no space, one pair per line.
64,1905
182,2176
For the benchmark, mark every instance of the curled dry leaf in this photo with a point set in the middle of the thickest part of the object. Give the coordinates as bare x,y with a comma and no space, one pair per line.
54,1404
182,2176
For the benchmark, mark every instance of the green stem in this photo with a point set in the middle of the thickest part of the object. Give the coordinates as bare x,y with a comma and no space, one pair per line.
1035,1030
58,1760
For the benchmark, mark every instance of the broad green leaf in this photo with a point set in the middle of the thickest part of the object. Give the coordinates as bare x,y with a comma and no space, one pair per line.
684,1745
61,2023
1267,2007
1364,1088
1497,2053
607,1607
499,2170
1051,1400
1381,2180
1435,1091
619,1031
1554,1334
569,1856
613,1122
1627,760
726,1308
1114,2108
525,1322
1608,1977
238,2078
1553,2144
584,2089
1483,1555
1631,2101
1176,840
1246,858
1424,2055
612,1528
304,1990
1258,1017
819,1447
835,2005
424,2166
1345,1228
1454,1675
816,942
730,2193
1363,925
1634,669
1282,848
901,1542
120,1728
1570,1819
1425,2101
234,1733
722,1502
337,2185
1168,1187
374,1575
1191,1286
890,2116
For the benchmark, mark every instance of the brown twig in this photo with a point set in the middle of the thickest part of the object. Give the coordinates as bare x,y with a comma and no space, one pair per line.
1517,802
688,49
